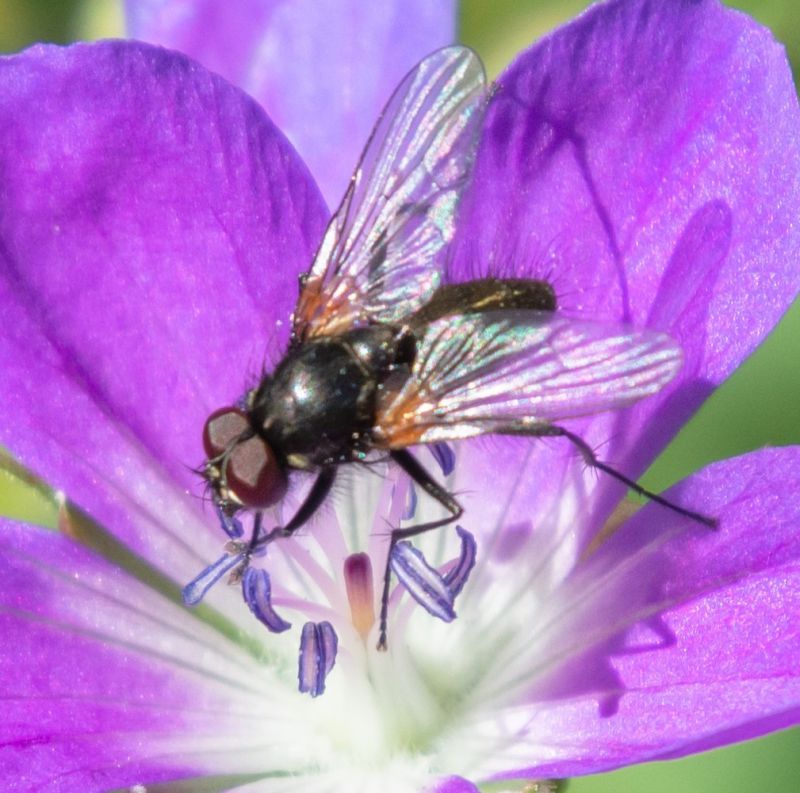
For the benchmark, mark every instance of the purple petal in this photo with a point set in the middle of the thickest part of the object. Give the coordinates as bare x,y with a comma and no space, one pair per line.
257,595
153,226
644,158
453,784
322,70
105,683
456,577
710,654
318,646
422,581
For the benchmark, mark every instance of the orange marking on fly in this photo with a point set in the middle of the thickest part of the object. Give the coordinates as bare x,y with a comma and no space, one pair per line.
395,426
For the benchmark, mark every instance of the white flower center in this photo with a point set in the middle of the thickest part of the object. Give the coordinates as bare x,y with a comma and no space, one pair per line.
410,707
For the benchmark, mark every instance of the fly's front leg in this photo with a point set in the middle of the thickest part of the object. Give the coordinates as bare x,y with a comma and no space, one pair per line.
413,468
312,502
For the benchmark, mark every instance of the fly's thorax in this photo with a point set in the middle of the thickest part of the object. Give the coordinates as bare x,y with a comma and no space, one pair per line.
320,402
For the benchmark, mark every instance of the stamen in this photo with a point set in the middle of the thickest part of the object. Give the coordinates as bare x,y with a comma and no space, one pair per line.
422,581
318,645
256,591
456,577
360,592
443,455
196,589
411,502
230,525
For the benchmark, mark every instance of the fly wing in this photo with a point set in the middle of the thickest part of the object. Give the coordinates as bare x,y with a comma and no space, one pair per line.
515,371
378,258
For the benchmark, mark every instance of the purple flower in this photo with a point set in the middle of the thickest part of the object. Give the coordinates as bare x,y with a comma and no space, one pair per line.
322,70
153,222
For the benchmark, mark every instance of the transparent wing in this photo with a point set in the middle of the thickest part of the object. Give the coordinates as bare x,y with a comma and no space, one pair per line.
513,370
378,258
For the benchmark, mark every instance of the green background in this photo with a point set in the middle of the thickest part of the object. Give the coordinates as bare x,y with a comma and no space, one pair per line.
758,406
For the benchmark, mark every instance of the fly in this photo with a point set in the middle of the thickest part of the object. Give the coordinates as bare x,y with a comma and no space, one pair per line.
384,355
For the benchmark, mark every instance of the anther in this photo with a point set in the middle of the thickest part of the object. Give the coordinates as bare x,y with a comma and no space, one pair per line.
411,502
230,524
444,455
318,646
457,576
257,594
196,589
422,581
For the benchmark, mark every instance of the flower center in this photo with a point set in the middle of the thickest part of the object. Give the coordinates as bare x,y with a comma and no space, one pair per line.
331,561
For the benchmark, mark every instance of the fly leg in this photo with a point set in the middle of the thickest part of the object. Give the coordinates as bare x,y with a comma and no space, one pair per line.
410,465
312,502
590,458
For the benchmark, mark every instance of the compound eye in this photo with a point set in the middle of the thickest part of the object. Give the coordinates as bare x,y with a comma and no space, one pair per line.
252,472
223,427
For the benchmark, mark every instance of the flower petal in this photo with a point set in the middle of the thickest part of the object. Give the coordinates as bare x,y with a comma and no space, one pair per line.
696,634
153,226
322,70
105,683
453,784
645,159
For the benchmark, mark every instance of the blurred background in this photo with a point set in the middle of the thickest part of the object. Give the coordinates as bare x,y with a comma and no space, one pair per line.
758,406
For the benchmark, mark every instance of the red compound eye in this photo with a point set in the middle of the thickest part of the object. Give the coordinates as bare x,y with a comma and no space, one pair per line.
222,427
252,471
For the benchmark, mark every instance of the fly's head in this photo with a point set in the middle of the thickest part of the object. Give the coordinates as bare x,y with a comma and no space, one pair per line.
241,468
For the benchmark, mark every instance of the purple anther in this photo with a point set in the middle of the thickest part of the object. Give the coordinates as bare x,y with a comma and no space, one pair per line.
230,525
196,589
443,455
456,577
256,591
318,645
422,581
411,502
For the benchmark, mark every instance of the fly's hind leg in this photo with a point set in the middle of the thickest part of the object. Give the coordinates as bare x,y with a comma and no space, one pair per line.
416,471
591,459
